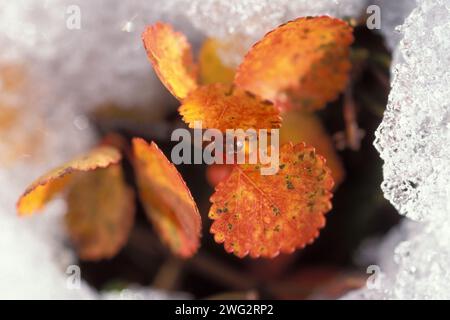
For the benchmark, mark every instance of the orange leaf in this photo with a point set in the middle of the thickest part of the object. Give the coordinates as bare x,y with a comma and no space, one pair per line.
15,102
304,63
306,127
12,77
212,69
265,215
8,117
100,213
166,199
171,56
221,106
46,187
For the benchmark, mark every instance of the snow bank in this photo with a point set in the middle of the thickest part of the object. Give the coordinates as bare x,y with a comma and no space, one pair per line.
414,142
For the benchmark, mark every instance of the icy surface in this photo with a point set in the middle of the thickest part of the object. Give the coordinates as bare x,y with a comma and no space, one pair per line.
393,14
413,138
414,142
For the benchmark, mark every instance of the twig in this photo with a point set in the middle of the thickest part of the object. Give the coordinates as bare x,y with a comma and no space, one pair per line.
149,246
168,274
353,133
218,271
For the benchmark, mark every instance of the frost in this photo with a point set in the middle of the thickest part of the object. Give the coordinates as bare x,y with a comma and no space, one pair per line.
414,142
414,136
393,14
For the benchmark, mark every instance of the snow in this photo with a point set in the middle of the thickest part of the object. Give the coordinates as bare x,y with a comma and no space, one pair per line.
414,142
33,256
393,14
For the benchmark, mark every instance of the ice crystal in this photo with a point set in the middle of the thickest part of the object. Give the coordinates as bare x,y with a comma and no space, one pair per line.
393,14
414,136
413,140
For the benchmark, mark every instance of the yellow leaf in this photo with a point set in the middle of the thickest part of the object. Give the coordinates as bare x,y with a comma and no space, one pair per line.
306,127
212,69
100,212
166,199
171,56
46,187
